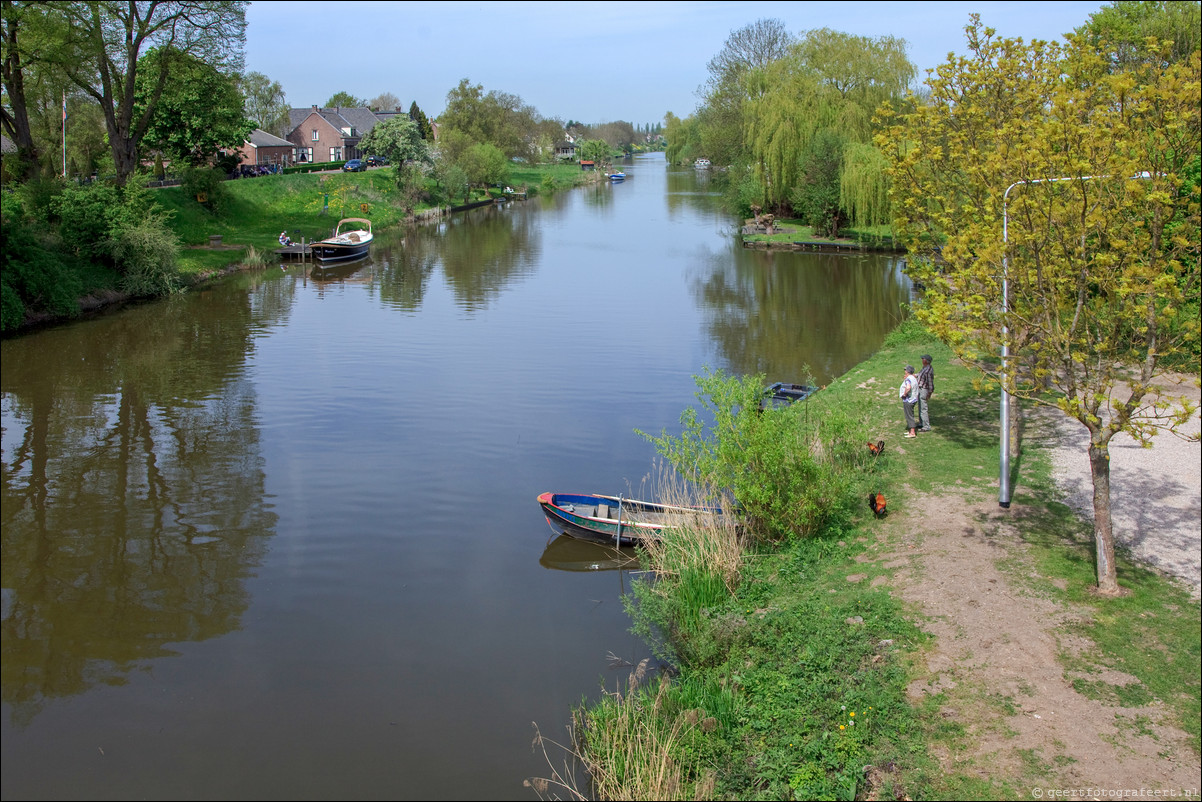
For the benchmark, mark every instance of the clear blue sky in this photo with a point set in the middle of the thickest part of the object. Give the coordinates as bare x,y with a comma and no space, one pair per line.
581,60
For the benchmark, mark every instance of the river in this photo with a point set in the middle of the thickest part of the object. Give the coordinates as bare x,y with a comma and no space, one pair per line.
277,538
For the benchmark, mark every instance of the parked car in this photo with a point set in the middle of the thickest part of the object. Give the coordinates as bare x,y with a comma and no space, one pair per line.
376,161
354,166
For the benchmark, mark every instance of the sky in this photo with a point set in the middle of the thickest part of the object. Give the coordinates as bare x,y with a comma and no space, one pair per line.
581,60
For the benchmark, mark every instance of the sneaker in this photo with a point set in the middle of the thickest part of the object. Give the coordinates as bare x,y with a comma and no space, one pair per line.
925,430
909,434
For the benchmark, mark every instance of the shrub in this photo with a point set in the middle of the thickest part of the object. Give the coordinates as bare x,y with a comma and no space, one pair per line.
147,252
782,475
85,214
207,183
34,277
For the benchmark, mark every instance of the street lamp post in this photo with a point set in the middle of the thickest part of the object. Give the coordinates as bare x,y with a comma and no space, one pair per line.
1004,468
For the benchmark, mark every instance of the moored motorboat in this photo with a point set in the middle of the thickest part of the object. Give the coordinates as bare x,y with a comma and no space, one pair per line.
615,519
350,241
619,176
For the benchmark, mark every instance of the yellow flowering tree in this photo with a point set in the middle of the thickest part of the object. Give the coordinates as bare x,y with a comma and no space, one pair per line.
1037,165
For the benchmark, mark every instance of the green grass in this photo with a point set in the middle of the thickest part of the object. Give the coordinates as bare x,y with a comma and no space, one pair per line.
796,231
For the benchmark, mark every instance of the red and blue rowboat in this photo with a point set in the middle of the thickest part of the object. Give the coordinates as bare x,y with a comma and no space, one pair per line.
614,519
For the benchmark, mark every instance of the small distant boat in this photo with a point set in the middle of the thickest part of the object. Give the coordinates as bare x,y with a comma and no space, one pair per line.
350,241
617,176
782,395
701,164
614,519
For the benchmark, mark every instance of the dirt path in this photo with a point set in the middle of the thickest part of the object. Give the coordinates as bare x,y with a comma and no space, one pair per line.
998,646
995,657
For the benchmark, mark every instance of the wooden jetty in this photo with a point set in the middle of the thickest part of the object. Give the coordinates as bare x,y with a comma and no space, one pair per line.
295,252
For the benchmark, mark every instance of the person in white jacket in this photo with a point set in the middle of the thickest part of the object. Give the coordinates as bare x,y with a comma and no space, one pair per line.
908,393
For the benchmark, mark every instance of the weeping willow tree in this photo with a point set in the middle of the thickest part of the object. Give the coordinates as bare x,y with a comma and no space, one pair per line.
864,185
827,87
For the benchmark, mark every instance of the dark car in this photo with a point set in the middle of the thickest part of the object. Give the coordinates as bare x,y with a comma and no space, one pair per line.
376,161
354,166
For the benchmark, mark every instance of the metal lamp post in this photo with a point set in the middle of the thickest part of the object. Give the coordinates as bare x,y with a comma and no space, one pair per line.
1004,479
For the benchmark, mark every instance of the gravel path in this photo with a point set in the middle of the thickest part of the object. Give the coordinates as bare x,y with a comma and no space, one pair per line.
1155,493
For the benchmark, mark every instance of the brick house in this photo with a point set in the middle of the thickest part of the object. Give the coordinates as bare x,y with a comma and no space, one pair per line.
264,148
331,135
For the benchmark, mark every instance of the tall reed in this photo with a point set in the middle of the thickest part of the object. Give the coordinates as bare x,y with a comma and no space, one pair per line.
695,541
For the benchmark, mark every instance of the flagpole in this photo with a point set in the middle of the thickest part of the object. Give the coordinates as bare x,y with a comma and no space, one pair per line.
64,134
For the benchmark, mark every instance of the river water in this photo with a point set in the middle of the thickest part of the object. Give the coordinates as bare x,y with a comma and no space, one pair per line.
278,538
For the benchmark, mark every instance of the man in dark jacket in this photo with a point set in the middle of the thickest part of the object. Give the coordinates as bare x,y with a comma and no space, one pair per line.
926,389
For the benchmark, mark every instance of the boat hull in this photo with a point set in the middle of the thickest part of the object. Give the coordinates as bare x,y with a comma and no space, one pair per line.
611,519
782,395
329,252
347,243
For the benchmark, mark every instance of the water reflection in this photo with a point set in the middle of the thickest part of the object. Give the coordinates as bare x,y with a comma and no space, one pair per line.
487,250
776,312
571,554
406,265
132,495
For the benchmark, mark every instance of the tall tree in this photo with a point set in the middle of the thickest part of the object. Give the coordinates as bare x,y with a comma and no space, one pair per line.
344,100
265,103
385,101
102,48
423,123
720,117
1122,28
199,111
1070,192
828,80
496,118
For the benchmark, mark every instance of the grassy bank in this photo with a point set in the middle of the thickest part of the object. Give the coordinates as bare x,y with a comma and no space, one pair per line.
253,212
787,231
795,685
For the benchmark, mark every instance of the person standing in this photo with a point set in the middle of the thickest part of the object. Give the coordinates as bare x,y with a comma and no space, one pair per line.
908,393
926,389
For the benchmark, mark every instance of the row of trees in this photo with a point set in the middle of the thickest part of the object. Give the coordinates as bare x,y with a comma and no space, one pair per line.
140,65
792,117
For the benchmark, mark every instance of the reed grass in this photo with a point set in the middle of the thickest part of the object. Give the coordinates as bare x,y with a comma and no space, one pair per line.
643,744
254,257
694,543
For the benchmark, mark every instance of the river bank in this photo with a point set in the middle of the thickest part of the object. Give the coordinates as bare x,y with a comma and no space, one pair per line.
238,228
967,638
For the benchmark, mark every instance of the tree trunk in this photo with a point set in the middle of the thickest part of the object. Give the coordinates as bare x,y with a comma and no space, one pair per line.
16,123
1099,465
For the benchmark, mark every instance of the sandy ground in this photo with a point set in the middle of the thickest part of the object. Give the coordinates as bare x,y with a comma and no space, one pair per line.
1155,493
997,647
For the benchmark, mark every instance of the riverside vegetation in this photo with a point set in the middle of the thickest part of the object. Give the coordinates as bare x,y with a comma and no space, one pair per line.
787,656
68,247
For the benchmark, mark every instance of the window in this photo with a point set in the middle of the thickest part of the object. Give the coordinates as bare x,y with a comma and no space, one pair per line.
314,134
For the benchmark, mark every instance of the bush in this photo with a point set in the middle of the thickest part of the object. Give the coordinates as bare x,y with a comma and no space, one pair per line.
85,214
207,183
34,277
785,475
147,252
